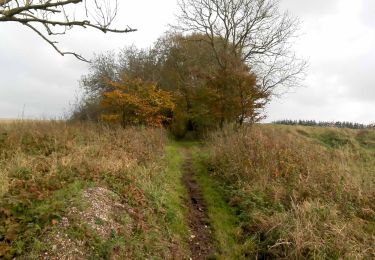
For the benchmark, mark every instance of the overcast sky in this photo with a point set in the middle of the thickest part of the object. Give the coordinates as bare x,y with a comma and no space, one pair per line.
337,37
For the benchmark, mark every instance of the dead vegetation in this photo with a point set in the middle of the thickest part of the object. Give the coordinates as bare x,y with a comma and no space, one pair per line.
81,191
96,191
307,195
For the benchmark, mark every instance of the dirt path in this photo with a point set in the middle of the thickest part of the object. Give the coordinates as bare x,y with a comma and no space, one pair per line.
201,239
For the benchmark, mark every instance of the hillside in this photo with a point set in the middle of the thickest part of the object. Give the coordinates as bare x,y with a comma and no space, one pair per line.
87,191
359,139
299,192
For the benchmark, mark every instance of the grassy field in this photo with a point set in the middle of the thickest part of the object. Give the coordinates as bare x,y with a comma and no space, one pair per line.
8,120
272,191
299,192
17,121
88,191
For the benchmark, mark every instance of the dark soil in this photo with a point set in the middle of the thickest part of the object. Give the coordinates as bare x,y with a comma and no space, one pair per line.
201,239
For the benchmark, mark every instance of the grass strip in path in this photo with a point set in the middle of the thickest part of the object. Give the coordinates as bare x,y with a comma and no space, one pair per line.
222,217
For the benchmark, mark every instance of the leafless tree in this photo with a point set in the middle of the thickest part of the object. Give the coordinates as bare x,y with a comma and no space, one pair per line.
255,29
49,18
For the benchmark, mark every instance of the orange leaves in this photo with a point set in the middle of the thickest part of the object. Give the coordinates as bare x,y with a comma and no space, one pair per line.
4,248
134,102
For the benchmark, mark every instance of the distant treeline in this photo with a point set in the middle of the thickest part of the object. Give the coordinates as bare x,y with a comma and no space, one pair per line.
324,124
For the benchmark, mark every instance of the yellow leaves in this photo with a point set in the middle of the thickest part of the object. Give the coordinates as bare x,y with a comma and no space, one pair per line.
111,118
133,102
118,98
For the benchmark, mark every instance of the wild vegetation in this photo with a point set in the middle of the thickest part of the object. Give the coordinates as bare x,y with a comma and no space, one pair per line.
99,192
299,192
271,191
112,183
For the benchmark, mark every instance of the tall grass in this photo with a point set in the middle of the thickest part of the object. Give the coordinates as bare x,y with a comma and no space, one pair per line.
46,165
43,148
295,197
4,182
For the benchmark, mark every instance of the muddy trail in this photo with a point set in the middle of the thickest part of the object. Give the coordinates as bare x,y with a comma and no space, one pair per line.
201,240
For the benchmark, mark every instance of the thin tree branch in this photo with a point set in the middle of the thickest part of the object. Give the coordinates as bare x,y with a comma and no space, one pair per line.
51,15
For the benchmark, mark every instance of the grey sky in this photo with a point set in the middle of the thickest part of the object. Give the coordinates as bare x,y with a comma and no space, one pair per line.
338,38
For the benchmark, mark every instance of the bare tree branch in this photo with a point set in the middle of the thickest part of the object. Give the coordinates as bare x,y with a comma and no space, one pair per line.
254,29
48,18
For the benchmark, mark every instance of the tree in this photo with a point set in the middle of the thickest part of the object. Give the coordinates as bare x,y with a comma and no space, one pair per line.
185,62
135,102
48,18
236,95
131,61
140,63
208,93
254,30
102,68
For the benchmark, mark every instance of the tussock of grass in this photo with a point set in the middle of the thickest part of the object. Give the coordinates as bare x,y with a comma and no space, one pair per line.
296,197
51,164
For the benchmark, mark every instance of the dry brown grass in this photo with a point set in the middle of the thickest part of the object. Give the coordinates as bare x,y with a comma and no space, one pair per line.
15,120
4,182
8,120
44,147
297,198
45,166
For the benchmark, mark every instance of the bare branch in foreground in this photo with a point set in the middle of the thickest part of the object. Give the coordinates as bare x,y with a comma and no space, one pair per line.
48,18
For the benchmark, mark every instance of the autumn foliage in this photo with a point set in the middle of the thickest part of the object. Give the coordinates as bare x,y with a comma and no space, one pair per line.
181,83
135,102
214,86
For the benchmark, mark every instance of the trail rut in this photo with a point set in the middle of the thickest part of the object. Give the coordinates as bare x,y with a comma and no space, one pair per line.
200,241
